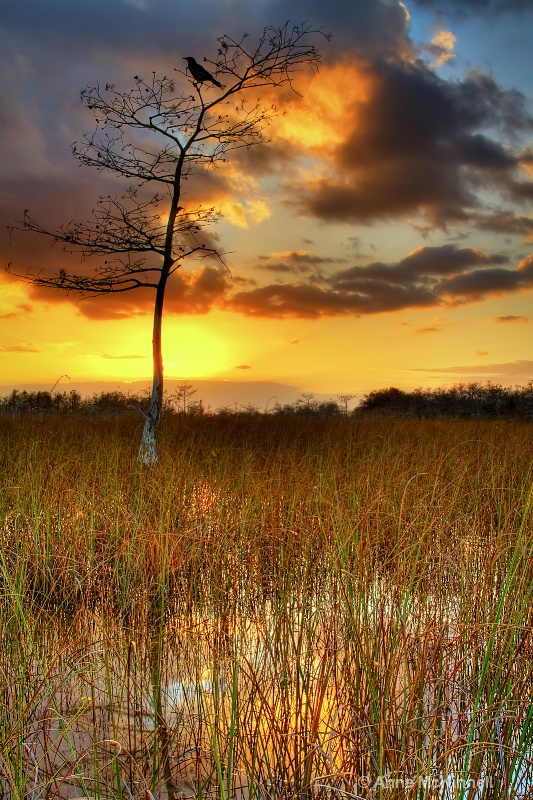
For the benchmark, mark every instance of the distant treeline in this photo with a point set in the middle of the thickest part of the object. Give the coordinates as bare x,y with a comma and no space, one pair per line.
470,400
464,400
103,404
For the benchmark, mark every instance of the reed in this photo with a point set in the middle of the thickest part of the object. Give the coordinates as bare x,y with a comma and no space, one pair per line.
280,608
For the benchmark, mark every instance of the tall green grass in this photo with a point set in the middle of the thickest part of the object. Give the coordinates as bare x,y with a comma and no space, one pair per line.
278,609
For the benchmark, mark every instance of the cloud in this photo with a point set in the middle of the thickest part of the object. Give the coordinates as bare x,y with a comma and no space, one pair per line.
380,26
415,143
427,277
187,293
279,266
371,95
295,261
301,300
108,355
24,347
504,222
377,136
430,276
114,41
481,283
520,371
243,366
20,309
441,48
465,8
511,318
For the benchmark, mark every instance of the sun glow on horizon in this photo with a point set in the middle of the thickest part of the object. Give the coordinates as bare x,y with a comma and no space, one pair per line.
189,348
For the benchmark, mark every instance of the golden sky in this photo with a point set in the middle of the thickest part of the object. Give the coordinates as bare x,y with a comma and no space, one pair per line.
382,236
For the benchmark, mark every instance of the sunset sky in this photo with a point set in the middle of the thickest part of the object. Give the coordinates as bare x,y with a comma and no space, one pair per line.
383,237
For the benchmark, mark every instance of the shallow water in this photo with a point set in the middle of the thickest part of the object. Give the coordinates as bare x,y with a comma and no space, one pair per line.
286,705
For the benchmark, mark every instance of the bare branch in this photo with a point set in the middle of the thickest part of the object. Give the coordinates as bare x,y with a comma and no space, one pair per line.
123,225
114,275
179,130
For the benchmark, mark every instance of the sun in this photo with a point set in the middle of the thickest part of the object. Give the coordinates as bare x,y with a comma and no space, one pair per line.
192,351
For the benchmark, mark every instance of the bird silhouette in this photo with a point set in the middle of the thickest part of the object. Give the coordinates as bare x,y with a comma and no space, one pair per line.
198,72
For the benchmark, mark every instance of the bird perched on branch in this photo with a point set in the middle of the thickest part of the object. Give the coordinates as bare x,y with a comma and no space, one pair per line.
198,72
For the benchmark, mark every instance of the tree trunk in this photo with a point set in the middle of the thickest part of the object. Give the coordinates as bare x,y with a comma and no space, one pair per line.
148,448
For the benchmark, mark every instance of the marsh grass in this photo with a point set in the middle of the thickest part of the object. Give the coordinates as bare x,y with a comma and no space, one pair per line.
278,609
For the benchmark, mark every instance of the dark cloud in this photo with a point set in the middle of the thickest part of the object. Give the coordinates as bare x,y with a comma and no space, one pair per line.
465,8
504,222
423,264
428,277
103,29
306,301
521,191
380,26
49,55
302,257
478,284
196,292
280,266
295,261
54,199
265,161
50,52
243,366
416,143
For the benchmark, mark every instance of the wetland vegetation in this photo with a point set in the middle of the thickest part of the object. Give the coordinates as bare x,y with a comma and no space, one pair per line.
280,607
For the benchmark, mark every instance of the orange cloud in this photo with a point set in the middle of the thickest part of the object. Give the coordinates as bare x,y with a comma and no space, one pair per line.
24,347
187,293
316,122
107,355
20,308
442,47
233,191
511,318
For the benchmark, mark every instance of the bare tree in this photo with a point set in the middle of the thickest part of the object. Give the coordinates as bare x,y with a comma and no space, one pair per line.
345,399
182,396
156,134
